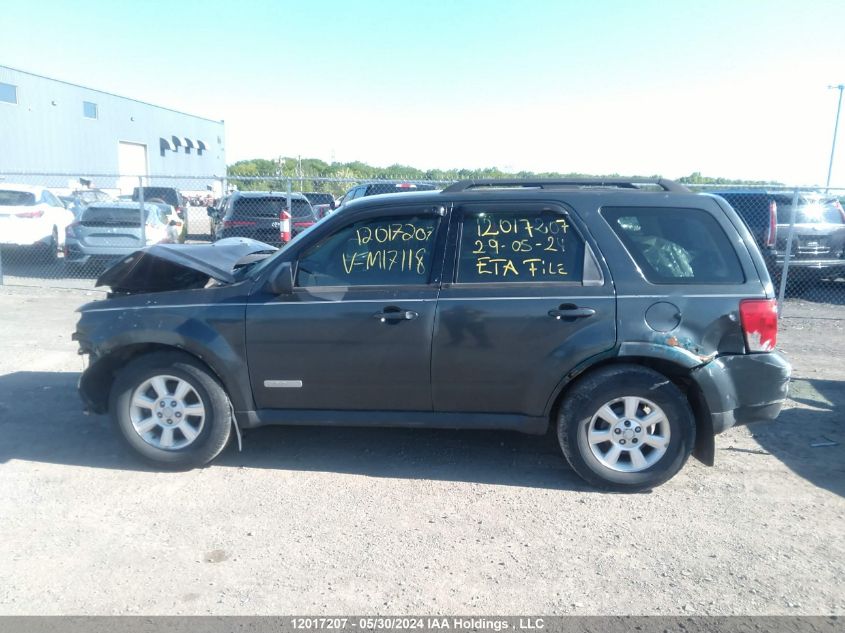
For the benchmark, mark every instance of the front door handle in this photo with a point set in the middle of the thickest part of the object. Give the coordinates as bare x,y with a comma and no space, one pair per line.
395,314
571,313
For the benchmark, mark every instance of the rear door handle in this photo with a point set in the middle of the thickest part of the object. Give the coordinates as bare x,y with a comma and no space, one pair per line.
395,315
571,313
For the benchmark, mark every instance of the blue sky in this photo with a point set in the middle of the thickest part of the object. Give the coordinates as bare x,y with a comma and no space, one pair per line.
726,88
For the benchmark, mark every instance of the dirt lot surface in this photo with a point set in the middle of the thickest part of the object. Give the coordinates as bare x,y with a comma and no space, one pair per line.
309,520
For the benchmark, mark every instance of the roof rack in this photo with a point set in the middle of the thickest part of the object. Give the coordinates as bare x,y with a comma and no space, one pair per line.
543,183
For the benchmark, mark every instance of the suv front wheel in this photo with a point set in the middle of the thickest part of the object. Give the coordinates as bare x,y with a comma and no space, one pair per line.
171,410
626,428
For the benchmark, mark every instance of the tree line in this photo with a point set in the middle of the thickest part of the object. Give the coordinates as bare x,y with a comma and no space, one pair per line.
260,174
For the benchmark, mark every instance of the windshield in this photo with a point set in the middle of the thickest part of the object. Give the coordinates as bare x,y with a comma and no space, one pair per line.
16,199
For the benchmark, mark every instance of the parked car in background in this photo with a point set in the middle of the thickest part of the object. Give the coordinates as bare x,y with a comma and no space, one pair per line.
72,204
33,217
170,195
375,188
635,318
77,200
257,215
107,231
818,241
176,226
322,203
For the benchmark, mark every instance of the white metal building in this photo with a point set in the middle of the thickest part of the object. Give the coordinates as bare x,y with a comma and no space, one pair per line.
49,126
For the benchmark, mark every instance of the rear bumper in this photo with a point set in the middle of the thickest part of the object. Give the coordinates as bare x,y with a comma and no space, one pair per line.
77,253
828,264
743,388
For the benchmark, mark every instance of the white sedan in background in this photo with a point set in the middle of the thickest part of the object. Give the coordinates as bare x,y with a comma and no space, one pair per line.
32,216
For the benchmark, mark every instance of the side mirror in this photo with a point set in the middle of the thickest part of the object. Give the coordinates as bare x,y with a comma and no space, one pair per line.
212,212
333,205
281,282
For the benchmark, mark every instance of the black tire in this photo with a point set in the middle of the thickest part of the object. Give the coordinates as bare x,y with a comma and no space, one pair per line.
584,399
217,428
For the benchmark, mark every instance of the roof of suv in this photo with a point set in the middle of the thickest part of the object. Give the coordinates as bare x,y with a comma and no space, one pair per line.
516,187
625,184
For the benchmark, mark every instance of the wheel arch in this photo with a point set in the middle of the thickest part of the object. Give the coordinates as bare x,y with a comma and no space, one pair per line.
96,382
704,448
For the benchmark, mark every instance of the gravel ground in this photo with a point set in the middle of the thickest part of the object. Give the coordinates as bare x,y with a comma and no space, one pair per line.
313,521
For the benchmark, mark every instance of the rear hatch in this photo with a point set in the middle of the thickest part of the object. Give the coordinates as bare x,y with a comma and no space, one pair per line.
109,226
819,228
259,217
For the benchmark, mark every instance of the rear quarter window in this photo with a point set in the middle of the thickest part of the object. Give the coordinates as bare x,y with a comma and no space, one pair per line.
672,245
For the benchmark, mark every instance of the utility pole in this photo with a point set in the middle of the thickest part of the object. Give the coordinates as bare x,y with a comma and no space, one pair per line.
840,87
299,170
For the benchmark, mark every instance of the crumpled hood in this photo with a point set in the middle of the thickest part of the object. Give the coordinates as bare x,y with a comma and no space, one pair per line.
163,267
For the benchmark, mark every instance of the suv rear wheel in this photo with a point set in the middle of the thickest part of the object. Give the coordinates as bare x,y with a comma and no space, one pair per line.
626,428
171,410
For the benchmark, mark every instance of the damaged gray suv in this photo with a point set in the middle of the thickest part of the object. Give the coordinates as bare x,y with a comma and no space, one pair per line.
634,318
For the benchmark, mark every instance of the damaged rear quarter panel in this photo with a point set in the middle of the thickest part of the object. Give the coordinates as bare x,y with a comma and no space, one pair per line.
207,323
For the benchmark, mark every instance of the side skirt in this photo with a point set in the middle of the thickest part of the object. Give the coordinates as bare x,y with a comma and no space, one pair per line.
401,419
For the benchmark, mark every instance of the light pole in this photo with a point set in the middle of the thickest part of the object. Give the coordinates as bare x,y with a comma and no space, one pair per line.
840,87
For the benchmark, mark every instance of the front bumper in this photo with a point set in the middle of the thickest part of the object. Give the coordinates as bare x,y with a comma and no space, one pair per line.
743,388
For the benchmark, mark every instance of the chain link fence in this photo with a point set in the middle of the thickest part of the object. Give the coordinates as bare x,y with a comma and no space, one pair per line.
63,230
801,234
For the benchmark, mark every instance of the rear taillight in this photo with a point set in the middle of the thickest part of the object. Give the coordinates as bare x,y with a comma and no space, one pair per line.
228,224
30,214
759,319
771,236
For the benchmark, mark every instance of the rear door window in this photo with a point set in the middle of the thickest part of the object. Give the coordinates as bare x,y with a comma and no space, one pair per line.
676,245
519,246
